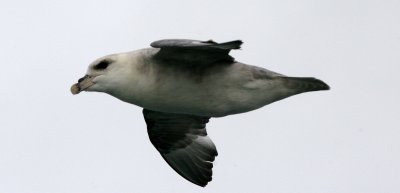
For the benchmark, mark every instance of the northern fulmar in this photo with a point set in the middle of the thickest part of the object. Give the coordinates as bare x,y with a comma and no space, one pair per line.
181,84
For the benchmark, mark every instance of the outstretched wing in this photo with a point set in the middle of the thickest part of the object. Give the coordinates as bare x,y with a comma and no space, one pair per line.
183,142
194,52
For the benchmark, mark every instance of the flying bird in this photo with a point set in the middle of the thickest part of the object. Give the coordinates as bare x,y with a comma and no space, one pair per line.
181,84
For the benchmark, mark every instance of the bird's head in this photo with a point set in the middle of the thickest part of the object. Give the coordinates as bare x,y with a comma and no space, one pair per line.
104,74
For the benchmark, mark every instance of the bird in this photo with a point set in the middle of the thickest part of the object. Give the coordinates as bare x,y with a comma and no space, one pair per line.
181,84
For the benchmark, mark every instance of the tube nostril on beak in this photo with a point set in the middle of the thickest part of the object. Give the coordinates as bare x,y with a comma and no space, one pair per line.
83,78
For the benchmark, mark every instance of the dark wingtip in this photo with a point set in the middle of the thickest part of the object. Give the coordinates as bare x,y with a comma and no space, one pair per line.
203,185
236,44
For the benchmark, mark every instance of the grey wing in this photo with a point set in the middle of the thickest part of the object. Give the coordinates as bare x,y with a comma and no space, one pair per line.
194,52
183,143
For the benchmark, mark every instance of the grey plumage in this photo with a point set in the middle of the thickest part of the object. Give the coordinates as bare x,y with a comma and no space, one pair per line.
177,138
192,52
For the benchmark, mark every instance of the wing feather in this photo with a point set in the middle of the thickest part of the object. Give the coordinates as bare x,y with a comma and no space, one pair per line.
183,143
194,52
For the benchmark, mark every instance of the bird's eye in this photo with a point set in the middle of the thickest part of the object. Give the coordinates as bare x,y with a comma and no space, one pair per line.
102,65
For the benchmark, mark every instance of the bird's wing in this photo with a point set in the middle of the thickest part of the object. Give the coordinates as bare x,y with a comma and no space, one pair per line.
183,142
194,52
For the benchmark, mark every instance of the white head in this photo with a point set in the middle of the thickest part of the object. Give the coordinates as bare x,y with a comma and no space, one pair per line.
107,74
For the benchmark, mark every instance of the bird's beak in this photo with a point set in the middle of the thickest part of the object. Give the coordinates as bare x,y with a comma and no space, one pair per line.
83,83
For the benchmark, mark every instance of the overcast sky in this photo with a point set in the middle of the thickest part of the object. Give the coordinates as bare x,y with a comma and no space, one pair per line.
345,140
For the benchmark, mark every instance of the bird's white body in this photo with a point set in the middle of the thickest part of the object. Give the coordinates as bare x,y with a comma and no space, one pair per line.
230,89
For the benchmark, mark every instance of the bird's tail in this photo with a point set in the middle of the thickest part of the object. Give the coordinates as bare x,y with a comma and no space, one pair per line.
304,84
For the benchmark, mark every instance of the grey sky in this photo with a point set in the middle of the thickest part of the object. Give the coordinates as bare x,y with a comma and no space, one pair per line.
345,140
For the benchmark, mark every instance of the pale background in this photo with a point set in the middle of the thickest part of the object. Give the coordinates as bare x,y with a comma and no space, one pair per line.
346,140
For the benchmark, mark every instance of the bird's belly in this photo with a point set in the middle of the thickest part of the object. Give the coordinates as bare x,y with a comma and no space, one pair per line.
211,107
198,100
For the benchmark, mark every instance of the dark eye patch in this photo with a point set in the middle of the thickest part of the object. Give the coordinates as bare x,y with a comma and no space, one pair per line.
102,65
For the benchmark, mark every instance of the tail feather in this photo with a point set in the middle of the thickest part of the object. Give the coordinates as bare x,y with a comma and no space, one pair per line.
305,84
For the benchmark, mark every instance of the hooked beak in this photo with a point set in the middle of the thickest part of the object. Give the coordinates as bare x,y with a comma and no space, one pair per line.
83,83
